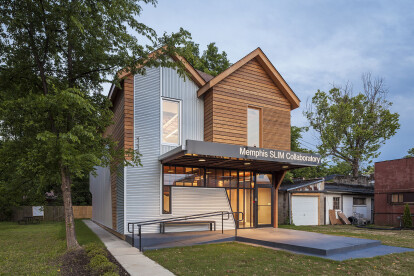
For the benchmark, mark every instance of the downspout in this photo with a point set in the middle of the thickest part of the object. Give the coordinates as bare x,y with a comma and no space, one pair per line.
289,213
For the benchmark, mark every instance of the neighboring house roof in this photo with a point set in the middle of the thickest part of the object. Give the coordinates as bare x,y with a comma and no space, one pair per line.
205,76
343,188
267,66
299,184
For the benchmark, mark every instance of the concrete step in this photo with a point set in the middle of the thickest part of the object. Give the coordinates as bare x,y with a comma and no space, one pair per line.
309,249
203,239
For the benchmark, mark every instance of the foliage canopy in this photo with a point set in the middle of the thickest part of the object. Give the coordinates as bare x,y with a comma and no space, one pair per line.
211,61
351,127
54,55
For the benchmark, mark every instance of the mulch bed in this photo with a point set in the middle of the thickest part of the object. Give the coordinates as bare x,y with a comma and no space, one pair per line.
76,263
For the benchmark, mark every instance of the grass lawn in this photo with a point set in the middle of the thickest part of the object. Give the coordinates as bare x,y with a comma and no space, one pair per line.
242,259
36,249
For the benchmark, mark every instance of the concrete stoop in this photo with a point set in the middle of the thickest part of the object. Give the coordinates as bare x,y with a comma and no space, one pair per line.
314,244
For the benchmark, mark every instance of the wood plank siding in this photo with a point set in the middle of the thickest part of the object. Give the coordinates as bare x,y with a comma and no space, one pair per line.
122,131
225,107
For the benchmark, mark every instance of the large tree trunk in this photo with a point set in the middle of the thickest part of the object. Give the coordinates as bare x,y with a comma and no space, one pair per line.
355,168
71,241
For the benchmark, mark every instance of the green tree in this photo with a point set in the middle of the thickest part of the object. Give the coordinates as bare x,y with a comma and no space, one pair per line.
410,153
211,61
54,55
407,221
352,128
308,172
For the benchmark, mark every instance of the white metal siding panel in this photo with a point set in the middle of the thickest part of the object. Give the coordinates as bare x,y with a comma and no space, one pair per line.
120,200
100,188
174,86
191,200
143,183
329,205
305,210
350,209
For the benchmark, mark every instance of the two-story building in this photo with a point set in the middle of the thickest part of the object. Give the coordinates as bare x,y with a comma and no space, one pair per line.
394,188
207,143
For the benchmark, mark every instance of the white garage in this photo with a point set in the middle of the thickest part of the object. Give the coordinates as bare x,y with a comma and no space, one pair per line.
305,210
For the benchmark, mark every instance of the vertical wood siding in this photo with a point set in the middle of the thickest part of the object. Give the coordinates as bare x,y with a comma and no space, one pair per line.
100,188
227,102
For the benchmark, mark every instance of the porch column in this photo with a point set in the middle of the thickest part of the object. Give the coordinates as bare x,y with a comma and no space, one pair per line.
278,180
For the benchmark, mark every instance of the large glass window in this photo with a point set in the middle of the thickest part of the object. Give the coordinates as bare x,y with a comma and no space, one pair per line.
253,127
170,122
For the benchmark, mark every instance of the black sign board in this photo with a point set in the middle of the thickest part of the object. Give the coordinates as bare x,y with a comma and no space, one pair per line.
252,153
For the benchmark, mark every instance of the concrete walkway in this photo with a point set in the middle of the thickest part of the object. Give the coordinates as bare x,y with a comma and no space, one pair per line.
133,261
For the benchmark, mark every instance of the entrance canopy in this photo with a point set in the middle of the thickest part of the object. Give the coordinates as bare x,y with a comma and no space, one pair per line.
218,155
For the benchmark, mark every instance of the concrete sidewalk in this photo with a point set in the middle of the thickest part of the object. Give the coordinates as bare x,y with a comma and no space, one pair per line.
134,262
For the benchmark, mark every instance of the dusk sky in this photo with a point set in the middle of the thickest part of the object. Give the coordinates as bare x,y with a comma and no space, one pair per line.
313,44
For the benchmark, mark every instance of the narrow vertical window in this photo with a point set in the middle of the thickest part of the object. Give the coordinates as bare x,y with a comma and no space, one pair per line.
253,127
166,200
170,122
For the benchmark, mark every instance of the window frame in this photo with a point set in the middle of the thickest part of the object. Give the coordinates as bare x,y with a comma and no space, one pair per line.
354,198
339,202
260,125
179,121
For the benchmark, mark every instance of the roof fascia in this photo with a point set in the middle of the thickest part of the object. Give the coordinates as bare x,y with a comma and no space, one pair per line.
267,66
194,75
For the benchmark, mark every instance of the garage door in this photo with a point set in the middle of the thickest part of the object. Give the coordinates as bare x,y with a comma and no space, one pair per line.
305,210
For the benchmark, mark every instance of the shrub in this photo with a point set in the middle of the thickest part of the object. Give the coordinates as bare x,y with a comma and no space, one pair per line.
111,274
100,265
407,221
93,249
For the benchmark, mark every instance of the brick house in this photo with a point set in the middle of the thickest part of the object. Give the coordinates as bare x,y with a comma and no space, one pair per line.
394,187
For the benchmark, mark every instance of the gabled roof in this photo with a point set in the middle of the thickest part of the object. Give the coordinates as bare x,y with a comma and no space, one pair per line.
205,76
343,188
267,66
194,74
299,184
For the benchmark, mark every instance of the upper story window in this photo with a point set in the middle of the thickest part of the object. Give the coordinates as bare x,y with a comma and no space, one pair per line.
170,122
253,127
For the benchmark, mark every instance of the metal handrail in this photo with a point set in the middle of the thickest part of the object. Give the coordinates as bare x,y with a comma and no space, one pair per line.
156,221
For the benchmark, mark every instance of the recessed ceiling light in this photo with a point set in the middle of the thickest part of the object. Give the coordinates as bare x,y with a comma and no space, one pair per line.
247,163
208,172
170,171
202,160
285,167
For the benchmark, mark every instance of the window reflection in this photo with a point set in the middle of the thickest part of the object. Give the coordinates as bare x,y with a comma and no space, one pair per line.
253,127
170,122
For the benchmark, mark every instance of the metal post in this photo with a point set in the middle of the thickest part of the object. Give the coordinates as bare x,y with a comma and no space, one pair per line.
140,242
222,222
133,239
235,228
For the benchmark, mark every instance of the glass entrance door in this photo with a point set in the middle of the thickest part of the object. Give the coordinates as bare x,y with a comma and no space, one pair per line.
264,206
264,202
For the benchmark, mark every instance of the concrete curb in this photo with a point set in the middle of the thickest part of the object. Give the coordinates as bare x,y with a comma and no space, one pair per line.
133,261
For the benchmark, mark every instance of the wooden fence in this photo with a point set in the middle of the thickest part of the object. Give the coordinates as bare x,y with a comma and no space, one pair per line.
52,213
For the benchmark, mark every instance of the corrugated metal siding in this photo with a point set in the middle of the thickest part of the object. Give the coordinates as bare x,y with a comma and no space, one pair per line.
120,200
189,201
143,183
174,86
100,188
